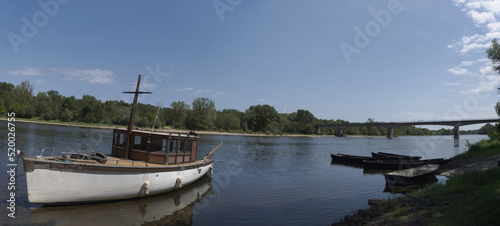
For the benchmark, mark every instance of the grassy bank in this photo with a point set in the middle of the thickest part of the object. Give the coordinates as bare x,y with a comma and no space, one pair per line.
469,199
481,149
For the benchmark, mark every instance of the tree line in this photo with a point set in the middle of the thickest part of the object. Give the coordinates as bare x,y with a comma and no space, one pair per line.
200,115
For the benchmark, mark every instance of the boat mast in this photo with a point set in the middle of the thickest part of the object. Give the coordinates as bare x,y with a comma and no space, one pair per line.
132,116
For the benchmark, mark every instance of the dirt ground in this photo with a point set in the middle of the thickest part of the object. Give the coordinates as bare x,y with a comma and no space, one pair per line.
459,167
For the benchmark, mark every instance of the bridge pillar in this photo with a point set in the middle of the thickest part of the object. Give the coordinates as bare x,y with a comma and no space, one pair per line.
317,130
339,132
456,132
390,133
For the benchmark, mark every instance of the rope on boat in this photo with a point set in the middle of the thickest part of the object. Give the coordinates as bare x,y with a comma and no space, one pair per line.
178,182
146,182
161,102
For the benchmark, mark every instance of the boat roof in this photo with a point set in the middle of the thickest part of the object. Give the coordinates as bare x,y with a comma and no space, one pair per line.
190,134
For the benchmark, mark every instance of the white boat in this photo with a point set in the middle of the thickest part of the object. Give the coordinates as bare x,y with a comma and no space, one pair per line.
142,163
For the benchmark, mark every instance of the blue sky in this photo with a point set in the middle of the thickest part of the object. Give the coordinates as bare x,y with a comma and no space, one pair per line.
389,60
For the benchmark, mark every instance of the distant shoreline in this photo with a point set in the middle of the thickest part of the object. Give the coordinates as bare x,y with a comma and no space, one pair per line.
183,131
165,129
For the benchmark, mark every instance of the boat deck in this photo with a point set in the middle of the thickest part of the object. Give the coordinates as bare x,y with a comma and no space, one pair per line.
113,161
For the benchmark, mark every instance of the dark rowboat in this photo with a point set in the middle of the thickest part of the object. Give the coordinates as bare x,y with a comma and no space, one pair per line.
394,156
397,164
351,159
411,176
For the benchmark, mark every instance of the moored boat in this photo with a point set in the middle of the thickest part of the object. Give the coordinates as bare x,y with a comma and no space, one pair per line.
351,159
397,164
394,156
412,175
142,163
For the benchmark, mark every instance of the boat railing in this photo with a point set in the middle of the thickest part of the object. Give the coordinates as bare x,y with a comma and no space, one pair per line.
61,151
74,156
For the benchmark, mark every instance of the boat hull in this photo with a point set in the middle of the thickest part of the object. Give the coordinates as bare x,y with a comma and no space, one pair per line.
395,156
412,175
392,164
351,159
63,183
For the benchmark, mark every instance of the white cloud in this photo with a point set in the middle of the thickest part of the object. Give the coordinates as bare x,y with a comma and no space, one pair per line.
147,85
92,76
184,89
29,71
484,15
218,94
452,83
488,81
458,71
39,81
481,17
198,92
472,62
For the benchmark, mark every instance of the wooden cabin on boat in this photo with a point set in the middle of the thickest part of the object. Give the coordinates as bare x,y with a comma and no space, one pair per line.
155,147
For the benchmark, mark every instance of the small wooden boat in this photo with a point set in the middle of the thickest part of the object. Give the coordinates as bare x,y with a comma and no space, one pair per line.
396,156
398,164
411,176
351,159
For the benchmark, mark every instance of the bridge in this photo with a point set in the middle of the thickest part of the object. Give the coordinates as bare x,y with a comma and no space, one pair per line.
339,128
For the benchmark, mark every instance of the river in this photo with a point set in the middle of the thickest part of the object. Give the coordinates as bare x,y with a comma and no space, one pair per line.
256,181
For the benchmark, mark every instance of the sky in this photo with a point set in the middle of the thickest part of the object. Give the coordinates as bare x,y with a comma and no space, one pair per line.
390,60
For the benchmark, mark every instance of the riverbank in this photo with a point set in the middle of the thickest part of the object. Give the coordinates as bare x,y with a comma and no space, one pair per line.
166,129
469,197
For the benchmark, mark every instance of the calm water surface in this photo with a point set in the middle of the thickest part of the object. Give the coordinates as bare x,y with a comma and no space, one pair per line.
256,181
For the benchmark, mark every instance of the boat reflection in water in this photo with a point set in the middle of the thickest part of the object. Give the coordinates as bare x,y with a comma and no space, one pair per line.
403,189
175,207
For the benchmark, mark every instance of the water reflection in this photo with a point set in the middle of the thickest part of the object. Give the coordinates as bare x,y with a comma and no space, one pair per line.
397,189
169,208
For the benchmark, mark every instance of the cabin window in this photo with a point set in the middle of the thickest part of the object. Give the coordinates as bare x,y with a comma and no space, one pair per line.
138,144
182,146
158,144
189,146
173,146
122,139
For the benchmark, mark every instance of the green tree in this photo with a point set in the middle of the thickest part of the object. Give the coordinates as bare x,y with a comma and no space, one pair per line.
304,121
178,115
6,97
203,114
91,109
494,55
227,121
262,118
